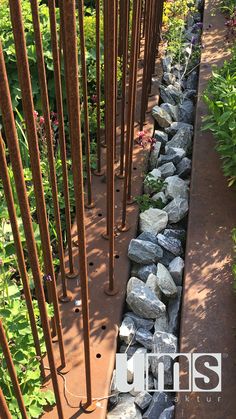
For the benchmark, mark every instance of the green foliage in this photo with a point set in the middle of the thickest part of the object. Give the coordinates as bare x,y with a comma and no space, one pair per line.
220,97
228,7
145,202
153,184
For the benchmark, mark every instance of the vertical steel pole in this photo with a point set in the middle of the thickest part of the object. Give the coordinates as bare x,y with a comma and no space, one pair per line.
14,152
98,171
4,411
61,128
77,167
28,109
12,371
19,250
90,203
65,297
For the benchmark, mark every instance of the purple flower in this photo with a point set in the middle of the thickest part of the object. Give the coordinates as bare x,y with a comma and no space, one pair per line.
193,40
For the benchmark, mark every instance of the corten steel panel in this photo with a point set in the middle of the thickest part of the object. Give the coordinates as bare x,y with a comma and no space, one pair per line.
105,311
209,304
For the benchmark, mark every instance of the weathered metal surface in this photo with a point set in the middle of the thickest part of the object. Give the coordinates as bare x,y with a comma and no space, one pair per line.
209,303
4,411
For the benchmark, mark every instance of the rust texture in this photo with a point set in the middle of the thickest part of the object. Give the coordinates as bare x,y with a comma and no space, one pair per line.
4,411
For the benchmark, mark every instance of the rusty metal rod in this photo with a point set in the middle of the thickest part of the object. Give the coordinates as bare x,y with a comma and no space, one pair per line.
4,411
159,17
65,297
19,250
132,85
61,129
89,203
125,38
98,171
28,109
12,371
110,40
14,152
77,167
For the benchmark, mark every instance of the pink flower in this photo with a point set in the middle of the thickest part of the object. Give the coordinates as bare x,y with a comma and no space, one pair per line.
36,114
41,120
56,122
94,98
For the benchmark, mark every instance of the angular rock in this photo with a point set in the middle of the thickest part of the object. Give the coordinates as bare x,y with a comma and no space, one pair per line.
144,252
161,324
176,188
175,233
125,409
161,116
143,400
127,330
129,350
160,196
153,220
130,364
176,269
171,109
150,381
176,126
144,337
170,94
166,63
142,300
169,78
165,282
173,155
184,168
168,413
152,283
171,244
161,136
190,94
186,111
192,81
182,139
144,271
166,258
163,343
174,312
167,169
176,209
149,181
154,155
139,322
159,403
148,237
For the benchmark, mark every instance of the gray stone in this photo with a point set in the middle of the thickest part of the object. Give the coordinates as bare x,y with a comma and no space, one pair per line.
150,381
182,139
171,109
142,300
166,63
171,94
169,78
161,324
152,283
177,209
160,196
160,402
176,126
174,311
167,169
143,400
161,116
129,350
161,136
168,413
154,155
186,111
165,281
144,271
153,220
166,258
173,155
148,237
125,409
144,337
163,343
127,330
139,321
149,185
176,269
144,252
176,233
190,94
176,188
171,244
184,168
130,364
